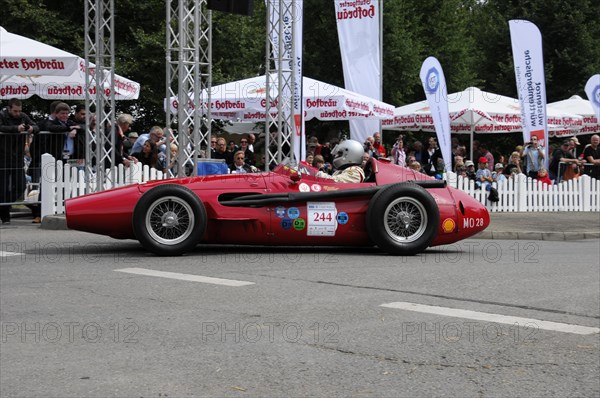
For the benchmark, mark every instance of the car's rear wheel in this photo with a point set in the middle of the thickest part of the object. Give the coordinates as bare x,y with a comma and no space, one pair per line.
169,220
403,219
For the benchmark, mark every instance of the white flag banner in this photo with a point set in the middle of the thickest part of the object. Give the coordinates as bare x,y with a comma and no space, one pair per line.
436,92
528,58
293,11
358,32
592,90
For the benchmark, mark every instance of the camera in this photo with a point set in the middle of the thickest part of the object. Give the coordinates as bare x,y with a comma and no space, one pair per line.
26,127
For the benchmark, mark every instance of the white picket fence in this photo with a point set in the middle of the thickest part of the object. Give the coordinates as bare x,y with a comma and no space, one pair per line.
63,181
518,194
523,194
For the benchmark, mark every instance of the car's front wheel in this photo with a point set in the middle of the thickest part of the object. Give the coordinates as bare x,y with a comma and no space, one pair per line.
169,220
403,219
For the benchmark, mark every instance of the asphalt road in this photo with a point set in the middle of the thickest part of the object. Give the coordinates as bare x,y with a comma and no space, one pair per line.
76,322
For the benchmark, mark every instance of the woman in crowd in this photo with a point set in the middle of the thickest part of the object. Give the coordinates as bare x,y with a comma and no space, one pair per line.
514,165
150,156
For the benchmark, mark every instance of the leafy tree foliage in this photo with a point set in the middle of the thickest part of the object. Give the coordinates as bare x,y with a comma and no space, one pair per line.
469,37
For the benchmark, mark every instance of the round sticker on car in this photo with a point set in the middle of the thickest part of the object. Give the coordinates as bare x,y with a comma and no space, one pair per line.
448,225
280,211
293,212
286,224
342,217
299,224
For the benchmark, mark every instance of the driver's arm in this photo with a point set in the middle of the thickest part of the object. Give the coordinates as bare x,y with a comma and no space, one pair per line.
322,174
352,174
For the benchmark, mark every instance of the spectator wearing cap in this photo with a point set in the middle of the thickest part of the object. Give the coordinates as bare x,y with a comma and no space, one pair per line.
483,177
561,159
534,157
498,174
470,169
128,144
573,144
483,150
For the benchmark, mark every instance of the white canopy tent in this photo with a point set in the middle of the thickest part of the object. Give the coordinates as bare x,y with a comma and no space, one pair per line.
20,55
245,101
29,67
66,87
582,107
476,111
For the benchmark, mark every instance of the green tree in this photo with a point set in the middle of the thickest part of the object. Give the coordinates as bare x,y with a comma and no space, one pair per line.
469,37
570,34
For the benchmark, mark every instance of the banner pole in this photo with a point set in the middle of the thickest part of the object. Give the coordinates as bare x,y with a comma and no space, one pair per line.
380,60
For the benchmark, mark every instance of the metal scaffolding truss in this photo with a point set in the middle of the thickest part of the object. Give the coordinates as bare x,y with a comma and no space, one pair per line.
188,77
280,68
99,48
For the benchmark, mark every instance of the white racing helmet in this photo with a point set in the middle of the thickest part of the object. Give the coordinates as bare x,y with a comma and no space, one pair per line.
347,153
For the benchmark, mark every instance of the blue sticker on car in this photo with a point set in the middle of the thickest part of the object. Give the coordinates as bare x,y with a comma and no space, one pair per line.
286,224
293,212
280,211
342,217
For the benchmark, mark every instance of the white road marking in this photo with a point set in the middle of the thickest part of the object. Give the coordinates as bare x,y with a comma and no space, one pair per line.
496,318
185,277
8,254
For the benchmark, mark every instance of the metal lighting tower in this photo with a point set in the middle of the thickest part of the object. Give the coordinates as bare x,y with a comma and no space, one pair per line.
189,77
281,80
99,46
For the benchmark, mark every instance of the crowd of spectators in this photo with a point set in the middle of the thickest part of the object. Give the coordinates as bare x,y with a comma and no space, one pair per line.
529,159
63,135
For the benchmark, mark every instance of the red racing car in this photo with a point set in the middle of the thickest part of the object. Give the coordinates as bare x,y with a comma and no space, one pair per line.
401,211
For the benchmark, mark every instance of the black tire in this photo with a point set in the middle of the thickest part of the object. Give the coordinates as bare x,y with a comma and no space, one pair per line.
402,219
169,220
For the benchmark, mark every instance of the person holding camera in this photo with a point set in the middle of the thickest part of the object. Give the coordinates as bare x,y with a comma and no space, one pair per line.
15,127
534,157
398,152
370,148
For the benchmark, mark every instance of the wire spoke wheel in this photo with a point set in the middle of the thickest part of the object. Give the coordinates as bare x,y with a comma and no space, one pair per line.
169,220
405,219
402,219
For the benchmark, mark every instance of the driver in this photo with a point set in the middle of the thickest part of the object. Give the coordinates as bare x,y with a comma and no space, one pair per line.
347,158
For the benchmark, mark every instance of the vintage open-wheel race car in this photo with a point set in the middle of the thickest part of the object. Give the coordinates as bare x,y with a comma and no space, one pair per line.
401,211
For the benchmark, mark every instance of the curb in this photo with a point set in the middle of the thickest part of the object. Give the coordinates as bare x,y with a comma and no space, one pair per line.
536,235
54,223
